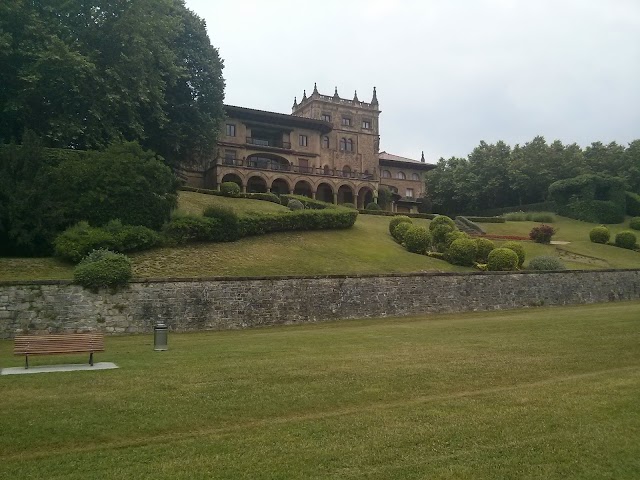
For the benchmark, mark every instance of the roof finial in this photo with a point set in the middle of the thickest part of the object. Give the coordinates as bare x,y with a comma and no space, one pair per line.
304,95
422,158
315,87
335,95
295,103
355,96
374,100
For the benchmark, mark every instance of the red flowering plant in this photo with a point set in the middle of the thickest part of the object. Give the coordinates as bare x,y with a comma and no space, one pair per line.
542,233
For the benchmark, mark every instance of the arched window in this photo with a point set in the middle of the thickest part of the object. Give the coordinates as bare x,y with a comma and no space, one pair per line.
343,144
327,170
349,145
401,176
415,176
325,142
386,174
346,171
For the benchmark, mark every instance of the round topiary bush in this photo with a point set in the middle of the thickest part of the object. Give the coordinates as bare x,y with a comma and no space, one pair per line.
400,231
442,220
484,248
103,268
450,237
546,262
417,239
462,251
600,234
395,221
518,248
230,189
626,239
295,204
350,205
634,223
373,206
502,259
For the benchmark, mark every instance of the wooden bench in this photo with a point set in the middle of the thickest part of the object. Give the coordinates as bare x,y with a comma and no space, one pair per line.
58,344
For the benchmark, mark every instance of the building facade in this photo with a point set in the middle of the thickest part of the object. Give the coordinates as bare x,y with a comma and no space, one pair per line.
327,148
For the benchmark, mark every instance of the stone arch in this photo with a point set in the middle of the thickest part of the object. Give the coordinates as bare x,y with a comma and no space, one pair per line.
346,194
365,196
303,187
280,185
257,184
233,177
324,192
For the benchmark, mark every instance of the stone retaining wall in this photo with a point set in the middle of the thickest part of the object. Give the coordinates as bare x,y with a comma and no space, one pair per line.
224,303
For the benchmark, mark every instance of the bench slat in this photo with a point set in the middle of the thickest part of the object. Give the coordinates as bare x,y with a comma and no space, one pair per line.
58,344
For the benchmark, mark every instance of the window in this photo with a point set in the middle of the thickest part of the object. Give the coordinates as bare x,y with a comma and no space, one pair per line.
303,165
346,121
409,193
327,170
303,140
343,144
229,157
401,176
326,117
325,142
346,171
366,124
231,130
386,174
349,145
415,176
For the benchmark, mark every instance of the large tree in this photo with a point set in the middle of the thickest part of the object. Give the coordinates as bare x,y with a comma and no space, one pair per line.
85,74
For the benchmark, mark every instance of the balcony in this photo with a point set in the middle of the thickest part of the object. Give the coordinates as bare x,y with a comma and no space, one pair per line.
268,142
272,165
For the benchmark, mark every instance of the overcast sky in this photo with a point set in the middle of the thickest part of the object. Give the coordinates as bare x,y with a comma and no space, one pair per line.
448,73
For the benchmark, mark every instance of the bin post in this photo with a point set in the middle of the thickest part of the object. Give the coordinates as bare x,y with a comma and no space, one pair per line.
160,332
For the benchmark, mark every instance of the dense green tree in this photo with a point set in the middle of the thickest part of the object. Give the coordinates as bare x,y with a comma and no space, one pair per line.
85,74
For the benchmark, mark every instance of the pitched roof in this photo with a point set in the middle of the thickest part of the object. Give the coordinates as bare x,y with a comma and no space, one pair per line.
276,118
390,160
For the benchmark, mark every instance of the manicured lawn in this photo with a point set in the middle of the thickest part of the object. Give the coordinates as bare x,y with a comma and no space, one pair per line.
538,393
580,253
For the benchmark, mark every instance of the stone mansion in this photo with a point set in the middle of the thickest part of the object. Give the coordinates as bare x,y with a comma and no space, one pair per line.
327,148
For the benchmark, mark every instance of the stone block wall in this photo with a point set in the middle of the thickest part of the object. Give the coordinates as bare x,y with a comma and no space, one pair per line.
227,303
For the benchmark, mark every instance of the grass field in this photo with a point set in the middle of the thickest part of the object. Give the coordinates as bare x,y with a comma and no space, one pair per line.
537,393
365,248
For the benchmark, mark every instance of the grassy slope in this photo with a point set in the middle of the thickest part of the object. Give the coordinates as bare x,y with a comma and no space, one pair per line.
580,252
366,248
535,393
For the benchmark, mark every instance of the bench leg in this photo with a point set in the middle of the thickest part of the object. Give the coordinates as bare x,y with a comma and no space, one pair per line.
26,362
91,359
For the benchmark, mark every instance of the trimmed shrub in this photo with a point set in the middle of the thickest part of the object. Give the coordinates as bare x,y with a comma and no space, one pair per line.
417,239
131,238
462,251
103,268
515,216
541,217
599,234
190,228
634,223
78,241
295,204
308,203
502,259
395,221
484,246
227,223
373,206
451,237
632,204
518,248
400,231
349,205
546,262
487,219
542,233
442,220
330,218
267,196
626,240
230,189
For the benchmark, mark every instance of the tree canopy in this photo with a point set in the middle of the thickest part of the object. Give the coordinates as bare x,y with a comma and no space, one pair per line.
496,175
83,75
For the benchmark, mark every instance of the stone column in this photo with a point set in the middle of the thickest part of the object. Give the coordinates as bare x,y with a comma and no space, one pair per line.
335,198
313,194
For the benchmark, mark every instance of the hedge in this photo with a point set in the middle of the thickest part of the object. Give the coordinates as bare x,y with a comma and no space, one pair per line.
632,204
427,216
530,207
486,219
103,268
470,224
261,223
